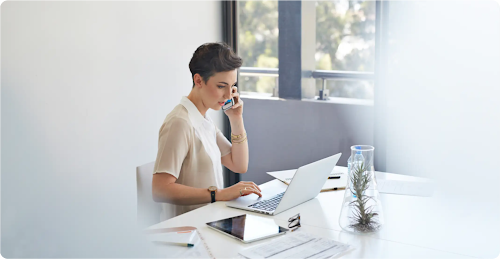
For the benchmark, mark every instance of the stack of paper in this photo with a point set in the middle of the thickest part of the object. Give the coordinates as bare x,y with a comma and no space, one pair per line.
330,184
415,186
297,245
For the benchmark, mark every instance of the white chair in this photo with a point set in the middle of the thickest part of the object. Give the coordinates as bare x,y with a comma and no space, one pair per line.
148,211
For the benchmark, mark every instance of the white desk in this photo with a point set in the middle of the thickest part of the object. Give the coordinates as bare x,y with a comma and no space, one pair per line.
415,227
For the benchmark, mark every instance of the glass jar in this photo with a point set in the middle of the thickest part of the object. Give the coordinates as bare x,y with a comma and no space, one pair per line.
361,208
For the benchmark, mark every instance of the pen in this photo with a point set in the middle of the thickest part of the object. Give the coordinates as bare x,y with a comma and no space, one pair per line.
174,243
333,177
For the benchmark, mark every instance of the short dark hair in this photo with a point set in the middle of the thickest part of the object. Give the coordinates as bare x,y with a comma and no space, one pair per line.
211,58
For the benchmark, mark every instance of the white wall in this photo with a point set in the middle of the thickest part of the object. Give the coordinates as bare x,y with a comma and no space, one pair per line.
443,120
85,89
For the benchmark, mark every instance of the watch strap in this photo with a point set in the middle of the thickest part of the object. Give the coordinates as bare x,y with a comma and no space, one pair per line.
212,194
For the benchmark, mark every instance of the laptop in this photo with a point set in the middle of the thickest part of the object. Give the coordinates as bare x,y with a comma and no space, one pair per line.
305,185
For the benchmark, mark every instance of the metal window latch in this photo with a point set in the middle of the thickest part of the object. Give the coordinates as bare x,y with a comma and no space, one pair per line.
276,92
324,93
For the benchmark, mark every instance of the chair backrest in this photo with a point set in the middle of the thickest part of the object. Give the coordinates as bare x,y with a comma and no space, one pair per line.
148,211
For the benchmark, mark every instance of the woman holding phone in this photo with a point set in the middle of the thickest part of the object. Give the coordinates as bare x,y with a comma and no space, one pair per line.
191,149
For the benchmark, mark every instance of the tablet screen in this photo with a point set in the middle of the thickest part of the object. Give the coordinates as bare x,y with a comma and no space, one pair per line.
247,227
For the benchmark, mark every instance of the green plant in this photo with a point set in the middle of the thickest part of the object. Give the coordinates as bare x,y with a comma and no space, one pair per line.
364,219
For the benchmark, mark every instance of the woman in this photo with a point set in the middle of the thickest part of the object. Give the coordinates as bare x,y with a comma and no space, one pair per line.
191,149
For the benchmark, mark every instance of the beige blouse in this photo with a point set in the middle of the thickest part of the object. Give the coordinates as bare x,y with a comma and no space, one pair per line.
190,148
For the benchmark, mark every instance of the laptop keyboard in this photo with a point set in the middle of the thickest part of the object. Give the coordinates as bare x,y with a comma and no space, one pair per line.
268,205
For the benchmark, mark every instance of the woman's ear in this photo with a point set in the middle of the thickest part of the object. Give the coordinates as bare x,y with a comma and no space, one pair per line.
197,80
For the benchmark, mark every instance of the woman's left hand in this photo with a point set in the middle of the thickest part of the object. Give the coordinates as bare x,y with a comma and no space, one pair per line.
237,110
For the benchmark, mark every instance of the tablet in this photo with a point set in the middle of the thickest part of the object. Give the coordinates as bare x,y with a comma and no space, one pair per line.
247,228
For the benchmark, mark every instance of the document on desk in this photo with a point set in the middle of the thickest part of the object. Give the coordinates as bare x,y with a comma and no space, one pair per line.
179,235
424,188
330,184
297,245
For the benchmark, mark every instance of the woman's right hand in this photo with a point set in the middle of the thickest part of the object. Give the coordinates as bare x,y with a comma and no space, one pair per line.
240,189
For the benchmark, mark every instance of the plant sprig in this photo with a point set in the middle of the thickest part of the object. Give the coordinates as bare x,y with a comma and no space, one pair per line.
364,219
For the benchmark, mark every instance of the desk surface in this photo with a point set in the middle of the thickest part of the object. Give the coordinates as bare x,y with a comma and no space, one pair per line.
415,227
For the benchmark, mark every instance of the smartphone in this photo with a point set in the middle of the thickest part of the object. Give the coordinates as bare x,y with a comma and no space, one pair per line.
229,103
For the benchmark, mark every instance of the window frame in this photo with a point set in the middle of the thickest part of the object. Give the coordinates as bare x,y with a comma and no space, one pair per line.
291,89
230,24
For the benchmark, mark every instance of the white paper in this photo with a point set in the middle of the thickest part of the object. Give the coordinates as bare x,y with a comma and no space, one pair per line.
199,250
330,184
418,187
424,189
176,237
297,245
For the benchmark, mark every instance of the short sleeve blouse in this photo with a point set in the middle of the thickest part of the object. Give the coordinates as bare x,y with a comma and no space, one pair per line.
190,148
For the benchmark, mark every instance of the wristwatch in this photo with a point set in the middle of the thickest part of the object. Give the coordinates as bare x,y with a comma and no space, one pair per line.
212,190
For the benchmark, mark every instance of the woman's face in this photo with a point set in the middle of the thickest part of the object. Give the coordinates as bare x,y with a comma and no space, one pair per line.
218,89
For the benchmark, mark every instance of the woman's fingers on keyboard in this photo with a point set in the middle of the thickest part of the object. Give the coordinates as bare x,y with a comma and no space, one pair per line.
256,191
254,185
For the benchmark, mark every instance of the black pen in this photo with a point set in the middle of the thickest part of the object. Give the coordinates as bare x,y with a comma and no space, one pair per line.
174,243
334,177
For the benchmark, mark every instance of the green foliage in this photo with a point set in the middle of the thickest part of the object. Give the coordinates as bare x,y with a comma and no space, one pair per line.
258,36
333,27
257,31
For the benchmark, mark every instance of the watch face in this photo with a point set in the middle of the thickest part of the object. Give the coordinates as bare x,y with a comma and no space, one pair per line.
212,188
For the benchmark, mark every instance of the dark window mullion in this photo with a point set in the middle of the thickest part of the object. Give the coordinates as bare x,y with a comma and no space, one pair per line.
230,36
289,49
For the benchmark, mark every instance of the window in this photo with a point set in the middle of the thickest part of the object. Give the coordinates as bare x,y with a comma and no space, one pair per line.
338,48
345,35
258,46
345,41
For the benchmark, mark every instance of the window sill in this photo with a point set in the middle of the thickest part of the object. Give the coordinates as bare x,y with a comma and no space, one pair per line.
342,100
332,100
